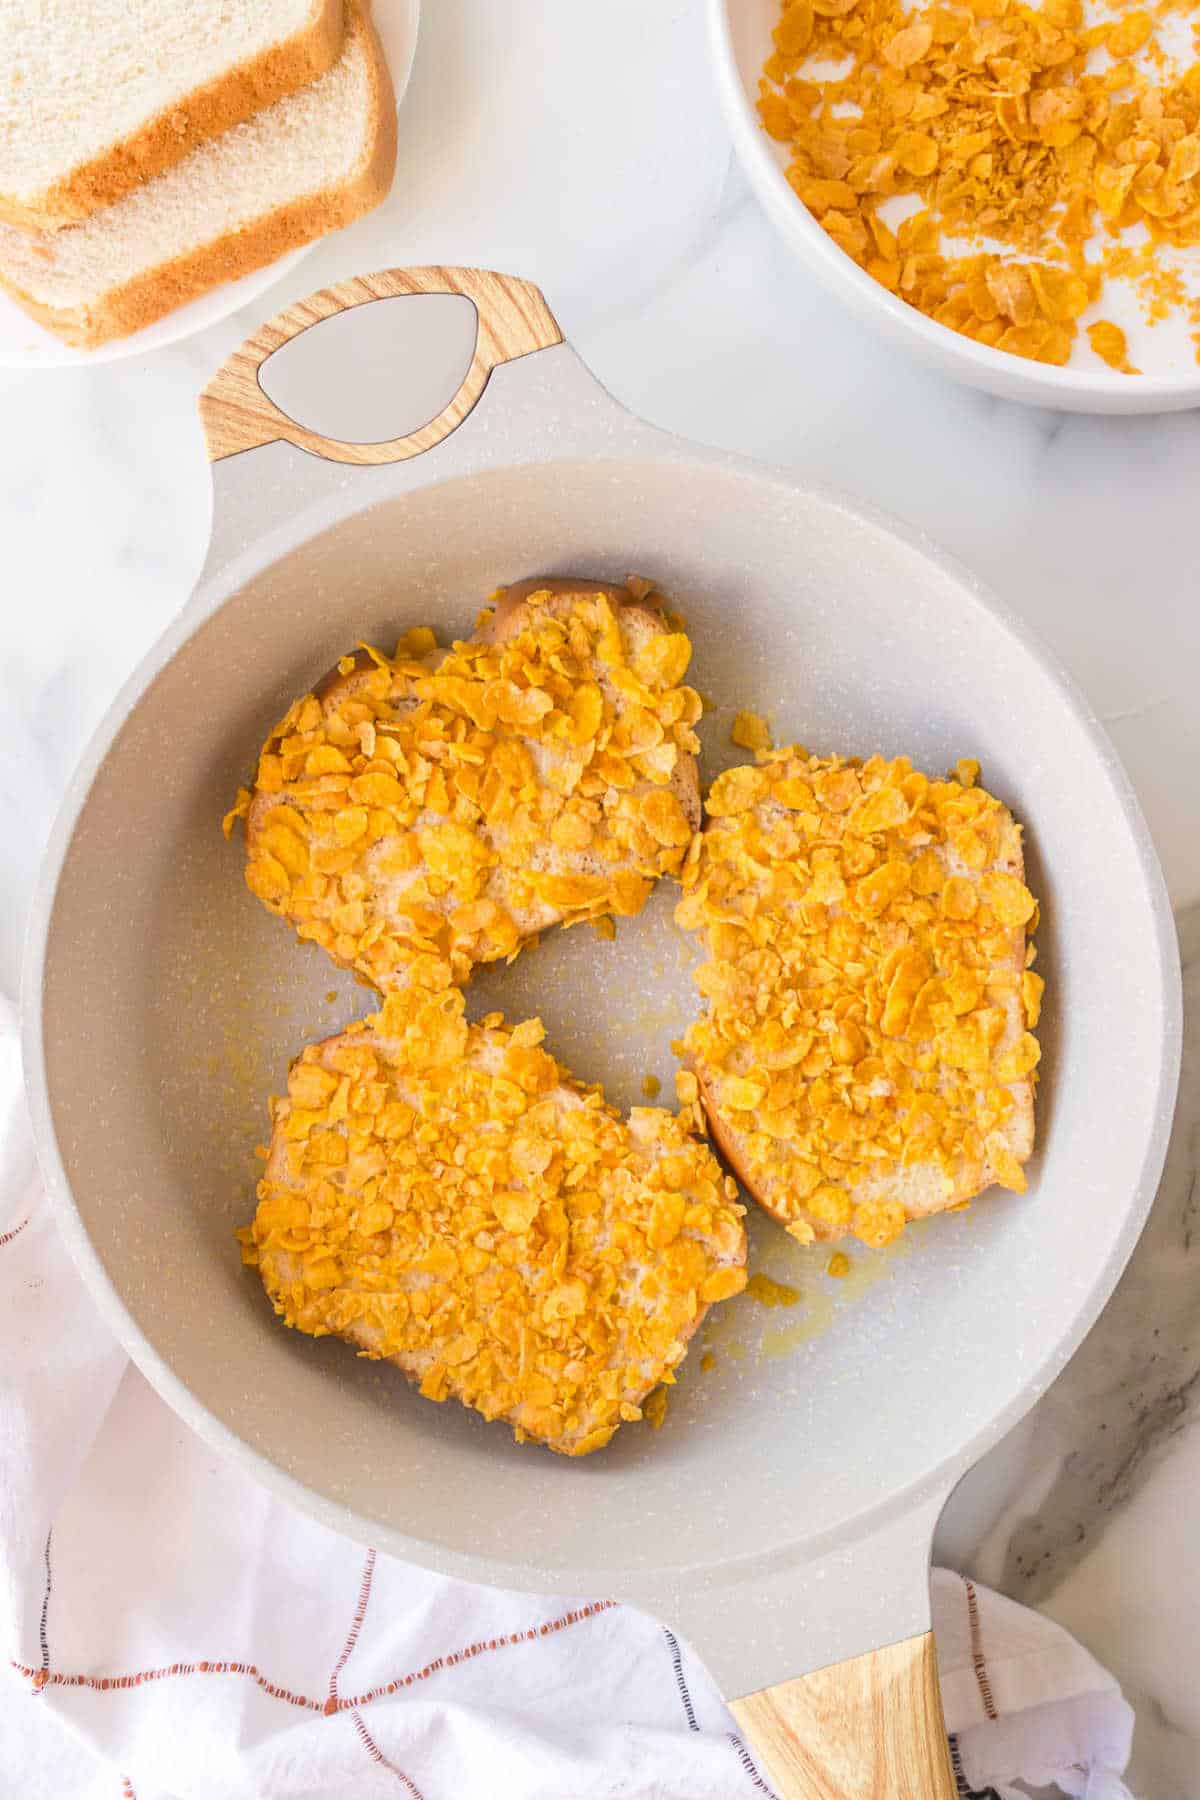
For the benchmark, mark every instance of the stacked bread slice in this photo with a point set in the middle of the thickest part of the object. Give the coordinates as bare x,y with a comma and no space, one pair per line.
193,144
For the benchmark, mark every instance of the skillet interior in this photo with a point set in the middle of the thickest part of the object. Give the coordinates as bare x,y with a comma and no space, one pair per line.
173,1002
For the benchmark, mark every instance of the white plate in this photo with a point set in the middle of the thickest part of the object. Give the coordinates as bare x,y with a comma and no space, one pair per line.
27,345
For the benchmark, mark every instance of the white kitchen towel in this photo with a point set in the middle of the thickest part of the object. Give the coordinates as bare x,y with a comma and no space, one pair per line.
169,1631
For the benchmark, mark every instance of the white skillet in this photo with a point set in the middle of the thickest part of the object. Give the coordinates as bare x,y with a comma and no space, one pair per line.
783,1517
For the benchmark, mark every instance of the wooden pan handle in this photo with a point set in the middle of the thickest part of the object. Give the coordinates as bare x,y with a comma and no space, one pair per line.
867,1729
513,321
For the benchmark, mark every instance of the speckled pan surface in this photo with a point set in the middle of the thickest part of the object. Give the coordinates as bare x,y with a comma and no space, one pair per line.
163,1005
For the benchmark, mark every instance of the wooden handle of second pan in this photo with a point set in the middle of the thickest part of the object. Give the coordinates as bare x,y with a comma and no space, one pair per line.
867,1729
513,321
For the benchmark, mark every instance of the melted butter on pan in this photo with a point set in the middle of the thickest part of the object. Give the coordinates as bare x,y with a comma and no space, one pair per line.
793,1278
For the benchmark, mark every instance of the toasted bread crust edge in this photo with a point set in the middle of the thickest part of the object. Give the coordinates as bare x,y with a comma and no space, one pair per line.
154,293
512,608
1020,1127
204,113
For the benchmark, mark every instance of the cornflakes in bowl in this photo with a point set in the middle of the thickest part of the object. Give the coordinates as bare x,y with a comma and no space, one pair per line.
1007,189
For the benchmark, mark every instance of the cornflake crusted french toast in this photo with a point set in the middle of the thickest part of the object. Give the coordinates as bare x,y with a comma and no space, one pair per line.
456,803
866,1055
446,1195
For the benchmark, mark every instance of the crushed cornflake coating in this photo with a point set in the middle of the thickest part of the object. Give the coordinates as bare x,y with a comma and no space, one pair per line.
655,1409
749,731
444,1194
866,1055
456,803
1108,341
1013,125
769,1292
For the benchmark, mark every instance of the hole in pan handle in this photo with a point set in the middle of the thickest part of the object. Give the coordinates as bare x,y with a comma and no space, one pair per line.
238,415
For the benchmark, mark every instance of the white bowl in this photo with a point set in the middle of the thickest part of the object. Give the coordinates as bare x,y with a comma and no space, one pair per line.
740,34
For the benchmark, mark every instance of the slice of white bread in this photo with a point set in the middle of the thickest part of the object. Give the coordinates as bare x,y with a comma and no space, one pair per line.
306,166
445,1195
97,98
457,803
866,1054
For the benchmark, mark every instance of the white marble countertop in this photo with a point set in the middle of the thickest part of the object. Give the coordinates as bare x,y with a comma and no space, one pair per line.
583,148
